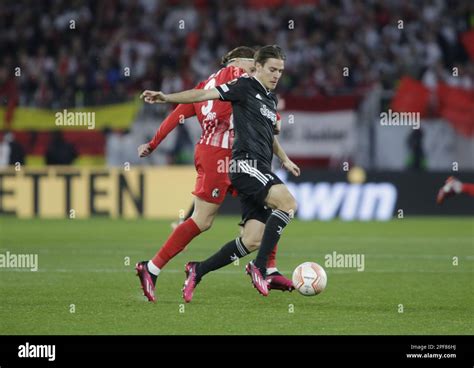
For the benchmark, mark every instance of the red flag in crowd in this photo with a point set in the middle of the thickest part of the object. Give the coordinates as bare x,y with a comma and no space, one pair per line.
411,96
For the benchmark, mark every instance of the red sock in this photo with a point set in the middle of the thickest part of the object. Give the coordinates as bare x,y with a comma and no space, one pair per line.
176,242
271,263
468,189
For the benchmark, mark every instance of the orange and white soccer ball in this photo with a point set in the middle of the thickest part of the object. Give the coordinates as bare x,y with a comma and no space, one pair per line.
309,278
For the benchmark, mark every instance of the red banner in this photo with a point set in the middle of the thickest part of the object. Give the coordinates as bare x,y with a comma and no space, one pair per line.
467,40
320,103
457,106
411,96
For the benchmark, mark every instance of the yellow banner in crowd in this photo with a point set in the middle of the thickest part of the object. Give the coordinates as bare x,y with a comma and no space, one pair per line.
67,192
96,117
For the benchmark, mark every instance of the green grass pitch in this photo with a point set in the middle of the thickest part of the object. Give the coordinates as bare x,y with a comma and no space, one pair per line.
418,279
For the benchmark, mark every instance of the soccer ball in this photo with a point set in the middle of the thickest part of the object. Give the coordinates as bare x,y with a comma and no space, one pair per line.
309,278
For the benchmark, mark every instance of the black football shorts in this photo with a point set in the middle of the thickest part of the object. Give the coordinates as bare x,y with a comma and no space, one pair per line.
252,181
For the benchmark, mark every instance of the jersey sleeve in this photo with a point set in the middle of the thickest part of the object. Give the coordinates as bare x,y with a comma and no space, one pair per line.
181,112
233,91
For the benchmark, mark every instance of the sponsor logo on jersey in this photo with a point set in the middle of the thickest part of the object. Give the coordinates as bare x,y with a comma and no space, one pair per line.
215,193
258,96
268,114
210,116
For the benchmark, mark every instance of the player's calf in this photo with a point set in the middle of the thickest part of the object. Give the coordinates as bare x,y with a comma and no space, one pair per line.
284,205
204,213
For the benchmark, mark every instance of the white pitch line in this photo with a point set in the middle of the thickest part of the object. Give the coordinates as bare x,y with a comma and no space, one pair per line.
315,237
290,254
328,270
361,238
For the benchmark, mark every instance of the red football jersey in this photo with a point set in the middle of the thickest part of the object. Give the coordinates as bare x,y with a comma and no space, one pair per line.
215,116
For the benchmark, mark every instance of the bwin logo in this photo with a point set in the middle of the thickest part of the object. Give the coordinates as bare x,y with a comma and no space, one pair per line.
37,351
326,201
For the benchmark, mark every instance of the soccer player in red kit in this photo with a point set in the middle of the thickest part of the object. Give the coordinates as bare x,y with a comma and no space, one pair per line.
452,187
212,155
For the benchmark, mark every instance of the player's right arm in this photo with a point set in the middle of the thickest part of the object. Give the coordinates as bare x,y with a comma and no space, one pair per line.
185,97
285,160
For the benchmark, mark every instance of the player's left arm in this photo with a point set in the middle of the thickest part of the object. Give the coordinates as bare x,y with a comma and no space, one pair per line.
285,160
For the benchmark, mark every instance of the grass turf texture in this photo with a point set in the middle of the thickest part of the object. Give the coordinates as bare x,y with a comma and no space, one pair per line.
83,268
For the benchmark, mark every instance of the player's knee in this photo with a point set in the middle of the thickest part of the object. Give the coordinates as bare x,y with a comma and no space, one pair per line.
251,243
293,206
282,199
206,225
288,204
203,223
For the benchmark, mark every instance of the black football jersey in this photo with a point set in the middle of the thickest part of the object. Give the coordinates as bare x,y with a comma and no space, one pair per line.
254,118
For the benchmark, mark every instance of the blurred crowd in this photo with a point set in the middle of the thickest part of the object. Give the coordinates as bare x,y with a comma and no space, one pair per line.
64,53
73,53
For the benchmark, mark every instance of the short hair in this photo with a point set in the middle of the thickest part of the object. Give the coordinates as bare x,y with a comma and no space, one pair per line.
238,52
269,52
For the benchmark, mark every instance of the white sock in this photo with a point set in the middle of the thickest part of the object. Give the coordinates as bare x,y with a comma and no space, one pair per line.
271,270
152,268
457,186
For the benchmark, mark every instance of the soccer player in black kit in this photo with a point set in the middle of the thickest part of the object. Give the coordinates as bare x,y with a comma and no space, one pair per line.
263,195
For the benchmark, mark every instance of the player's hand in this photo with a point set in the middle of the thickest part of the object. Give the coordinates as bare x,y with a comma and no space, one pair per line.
144,150
291,167
152,97
277,127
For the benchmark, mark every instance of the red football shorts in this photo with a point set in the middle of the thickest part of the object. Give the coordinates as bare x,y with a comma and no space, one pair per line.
212,166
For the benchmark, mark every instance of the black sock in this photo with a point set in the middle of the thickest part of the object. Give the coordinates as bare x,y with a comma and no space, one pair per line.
271,235
227,254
